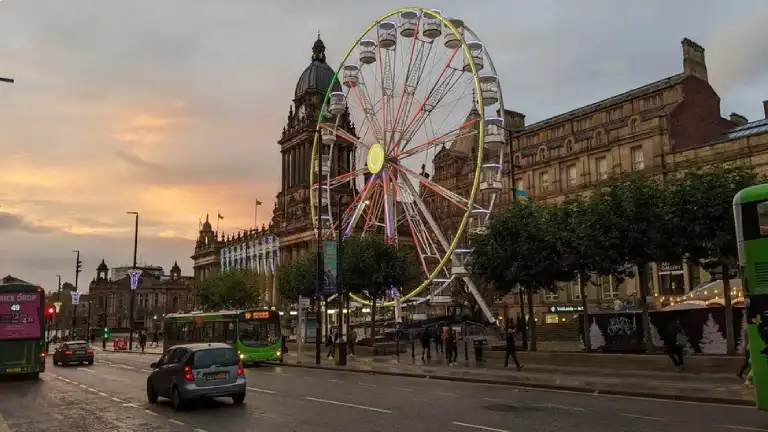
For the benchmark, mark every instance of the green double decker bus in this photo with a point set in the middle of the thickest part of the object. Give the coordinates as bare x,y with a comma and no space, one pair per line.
22,329
255,333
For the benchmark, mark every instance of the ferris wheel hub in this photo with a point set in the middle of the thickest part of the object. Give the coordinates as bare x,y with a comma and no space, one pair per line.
376,158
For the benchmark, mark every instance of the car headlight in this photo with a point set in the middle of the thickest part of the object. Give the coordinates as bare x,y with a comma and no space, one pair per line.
242,356
279,352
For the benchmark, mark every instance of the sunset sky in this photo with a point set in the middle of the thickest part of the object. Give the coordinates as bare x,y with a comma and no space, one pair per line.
173,108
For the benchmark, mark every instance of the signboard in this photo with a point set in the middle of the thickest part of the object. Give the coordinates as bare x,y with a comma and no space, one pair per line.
304,302
440,299
560,309
329,266
57,305
134,275
256,315
671,268
75,297
19,314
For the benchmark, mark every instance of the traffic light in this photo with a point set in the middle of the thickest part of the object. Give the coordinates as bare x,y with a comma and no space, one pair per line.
106,333
78,266
50,311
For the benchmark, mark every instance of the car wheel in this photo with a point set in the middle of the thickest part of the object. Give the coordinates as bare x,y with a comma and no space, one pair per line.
90,362
82,363
176,400
151,393
34,376
238,398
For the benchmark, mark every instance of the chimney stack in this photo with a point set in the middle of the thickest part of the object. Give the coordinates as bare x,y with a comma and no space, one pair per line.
765,108
513,120
739,119
693,60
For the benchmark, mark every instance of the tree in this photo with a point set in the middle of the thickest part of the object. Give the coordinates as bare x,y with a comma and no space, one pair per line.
371,266
297,279
634,229
232,289
712,341
700,213
521,245
583,251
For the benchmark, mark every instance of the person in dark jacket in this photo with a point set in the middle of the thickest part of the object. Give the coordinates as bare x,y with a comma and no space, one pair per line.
426,344
671,342
450,343
511,349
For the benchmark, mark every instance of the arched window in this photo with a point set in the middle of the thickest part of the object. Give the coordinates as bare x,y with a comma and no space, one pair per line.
569,145
599,138
542,154
517,159
634,125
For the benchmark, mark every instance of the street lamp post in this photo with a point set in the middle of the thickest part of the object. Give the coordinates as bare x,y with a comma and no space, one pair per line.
342,348
78,266
58,299
132,300
319,270
513,197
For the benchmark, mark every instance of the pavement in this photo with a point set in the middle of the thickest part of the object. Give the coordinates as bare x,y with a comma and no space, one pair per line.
110,396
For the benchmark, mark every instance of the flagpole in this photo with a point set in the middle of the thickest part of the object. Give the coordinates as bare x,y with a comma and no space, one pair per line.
218,219
255,214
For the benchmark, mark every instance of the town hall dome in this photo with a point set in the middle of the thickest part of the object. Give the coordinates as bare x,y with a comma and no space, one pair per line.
318,75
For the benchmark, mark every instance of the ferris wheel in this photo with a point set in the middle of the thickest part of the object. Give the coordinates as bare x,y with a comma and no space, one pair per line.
414,85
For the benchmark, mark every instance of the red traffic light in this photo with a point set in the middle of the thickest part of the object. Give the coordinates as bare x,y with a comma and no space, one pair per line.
51,310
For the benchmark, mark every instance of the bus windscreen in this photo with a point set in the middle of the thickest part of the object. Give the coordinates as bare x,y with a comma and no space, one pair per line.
258,332
19,316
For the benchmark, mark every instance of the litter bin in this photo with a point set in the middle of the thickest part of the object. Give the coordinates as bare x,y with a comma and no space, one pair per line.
478,344
341,352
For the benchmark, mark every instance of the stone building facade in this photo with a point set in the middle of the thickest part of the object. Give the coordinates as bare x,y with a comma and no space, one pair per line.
291,218
207,252
156,296
661,127
256,250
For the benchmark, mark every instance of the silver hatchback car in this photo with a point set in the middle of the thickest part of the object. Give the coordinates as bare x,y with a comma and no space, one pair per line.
197,371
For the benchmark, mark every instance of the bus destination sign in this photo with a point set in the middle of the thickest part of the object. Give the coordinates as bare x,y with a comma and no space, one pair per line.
256,315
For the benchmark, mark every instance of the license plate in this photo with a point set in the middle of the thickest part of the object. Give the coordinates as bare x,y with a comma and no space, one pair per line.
215,377
80,352
14,370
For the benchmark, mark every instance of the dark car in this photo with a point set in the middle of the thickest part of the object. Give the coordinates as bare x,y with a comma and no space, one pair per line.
197,371
73,352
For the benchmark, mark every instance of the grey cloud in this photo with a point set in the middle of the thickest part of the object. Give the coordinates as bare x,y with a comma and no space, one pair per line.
12,222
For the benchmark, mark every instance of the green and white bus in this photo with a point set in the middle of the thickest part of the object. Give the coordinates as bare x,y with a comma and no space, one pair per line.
750,209
22,329
255,333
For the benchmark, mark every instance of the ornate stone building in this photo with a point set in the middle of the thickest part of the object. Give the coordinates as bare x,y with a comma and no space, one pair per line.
207,252
291,217
155,296
256,250
661,127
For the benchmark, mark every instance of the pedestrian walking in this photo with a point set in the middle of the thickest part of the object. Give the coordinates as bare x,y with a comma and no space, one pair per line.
155,339
455,347
511,349
746,365
438,341
426,344
673,344
142,340
352,340
329,345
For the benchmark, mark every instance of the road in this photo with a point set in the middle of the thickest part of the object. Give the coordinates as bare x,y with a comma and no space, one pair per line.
110,396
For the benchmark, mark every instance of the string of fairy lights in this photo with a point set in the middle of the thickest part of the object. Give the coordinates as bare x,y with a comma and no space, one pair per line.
705,295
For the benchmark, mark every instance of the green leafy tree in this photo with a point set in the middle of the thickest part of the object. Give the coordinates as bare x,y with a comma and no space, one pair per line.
232,289
634,229
521,245
699,209
370,266
585,252
297,278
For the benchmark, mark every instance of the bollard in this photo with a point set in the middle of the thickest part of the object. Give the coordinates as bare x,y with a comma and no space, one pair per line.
413,350
466,350
397,346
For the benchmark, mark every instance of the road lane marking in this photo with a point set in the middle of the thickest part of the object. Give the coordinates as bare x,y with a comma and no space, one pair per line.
564,407
743,428
103,394
641,417
334,380
200,430
116,399
85,370
176,421
151,412
366,384
469,425
83,386
348,405
261,390
403,389
130,405
444,394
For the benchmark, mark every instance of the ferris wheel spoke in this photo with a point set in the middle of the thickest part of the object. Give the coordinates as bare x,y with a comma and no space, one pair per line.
413,73
358,205
417,235
436,230
344,135
464,130
451,196
362,96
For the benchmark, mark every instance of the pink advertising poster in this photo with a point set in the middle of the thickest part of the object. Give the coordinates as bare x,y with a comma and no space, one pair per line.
19,316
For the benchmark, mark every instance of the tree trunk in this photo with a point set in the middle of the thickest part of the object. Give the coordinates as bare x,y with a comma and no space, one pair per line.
524,330
642,279
533,320
585,317
373,326
730,336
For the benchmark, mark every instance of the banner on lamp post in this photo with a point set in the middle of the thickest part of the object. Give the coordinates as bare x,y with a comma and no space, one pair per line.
75,297
134,275
57,305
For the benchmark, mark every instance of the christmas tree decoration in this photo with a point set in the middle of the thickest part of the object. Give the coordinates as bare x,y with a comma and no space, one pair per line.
596,338
740,346
712,341
658,342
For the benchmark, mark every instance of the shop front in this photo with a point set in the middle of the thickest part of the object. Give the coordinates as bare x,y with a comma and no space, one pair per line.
562,313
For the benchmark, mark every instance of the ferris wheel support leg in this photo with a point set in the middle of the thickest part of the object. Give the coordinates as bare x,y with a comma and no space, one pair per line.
480,301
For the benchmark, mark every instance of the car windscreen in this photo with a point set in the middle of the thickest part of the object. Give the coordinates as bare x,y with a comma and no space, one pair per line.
77,345
214,357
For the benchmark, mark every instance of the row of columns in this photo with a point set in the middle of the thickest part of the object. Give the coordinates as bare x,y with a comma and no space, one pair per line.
296,163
